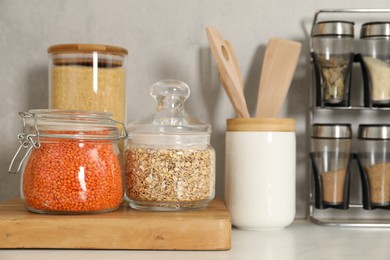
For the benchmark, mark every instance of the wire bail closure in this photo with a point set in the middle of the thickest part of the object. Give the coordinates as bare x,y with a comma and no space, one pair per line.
27,142
123,135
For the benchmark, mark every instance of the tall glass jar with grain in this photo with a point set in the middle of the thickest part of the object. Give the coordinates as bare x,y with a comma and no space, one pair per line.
88,77
169,162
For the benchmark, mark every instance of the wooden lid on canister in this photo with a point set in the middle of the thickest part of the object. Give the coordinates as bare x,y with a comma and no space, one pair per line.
63,54
86,48
261,124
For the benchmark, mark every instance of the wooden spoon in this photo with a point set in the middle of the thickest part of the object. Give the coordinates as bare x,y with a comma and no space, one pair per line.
235,61
280,60
228,71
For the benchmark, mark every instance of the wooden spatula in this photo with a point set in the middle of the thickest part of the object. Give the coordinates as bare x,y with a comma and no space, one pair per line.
280,60
228,71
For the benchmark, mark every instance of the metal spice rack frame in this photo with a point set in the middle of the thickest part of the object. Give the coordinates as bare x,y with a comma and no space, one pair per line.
355,215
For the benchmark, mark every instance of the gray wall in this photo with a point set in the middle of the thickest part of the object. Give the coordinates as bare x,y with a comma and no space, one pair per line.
165,39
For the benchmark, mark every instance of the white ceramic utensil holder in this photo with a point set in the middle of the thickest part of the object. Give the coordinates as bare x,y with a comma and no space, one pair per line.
260,172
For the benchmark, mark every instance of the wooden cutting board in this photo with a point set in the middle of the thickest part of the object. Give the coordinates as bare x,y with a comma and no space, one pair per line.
125,228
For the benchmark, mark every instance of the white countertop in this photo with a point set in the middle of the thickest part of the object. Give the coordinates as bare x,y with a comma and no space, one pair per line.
301,240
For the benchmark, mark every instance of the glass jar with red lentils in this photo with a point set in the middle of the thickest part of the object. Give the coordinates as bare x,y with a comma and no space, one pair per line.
70,162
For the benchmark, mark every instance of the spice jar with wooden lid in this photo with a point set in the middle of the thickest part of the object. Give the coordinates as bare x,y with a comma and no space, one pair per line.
374,164
169,162
331,157
88,77
70,162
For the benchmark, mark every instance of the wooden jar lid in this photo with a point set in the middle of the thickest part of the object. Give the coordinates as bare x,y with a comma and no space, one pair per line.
261,124
85,48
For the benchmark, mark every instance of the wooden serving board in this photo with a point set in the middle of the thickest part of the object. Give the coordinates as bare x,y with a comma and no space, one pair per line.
125,228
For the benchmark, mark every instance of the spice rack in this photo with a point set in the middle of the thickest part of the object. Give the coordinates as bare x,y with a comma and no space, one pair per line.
359,111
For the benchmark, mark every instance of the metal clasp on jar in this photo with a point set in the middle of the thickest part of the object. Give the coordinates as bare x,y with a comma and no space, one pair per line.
27,142
30,138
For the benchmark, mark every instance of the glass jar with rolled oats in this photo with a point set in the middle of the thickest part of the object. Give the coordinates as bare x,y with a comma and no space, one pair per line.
169,162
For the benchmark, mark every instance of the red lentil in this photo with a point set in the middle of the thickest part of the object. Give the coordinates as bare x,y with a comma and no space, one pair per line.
73,176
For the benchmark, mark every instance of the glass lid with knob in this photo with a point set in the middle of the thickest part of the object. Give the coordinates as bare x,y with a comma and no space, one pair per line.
170,117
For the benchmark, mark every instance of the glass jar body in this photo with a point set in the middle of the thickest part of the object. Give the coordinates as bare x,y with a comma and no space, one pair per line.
90,80
169,177
331,157
376,57
333,58
70,161
374,156
70,176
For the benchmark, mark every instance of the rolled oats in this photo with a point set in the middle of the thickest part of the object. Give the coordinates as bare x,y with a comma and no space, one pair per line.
169,177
